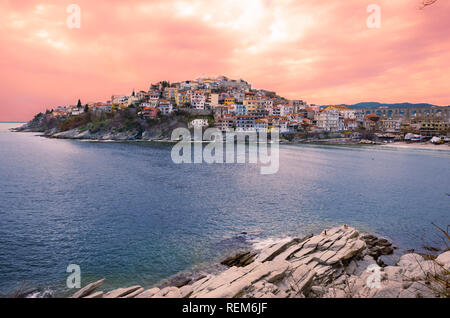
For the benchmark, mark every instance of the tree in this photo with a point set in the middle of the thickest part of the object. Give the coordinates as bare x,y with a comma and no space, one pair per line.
79,104
86,108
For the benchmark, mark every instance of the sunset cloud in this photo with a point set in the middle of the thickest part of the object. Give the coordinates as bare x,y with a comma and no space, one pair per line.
317,50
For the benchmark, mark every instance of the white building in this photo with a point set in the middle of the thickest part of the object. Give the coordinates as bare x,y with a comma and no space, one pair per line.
104,108
390,125
298,105
75,111
119,99
212,100
286,110
199,122
336,118
198,100
165,107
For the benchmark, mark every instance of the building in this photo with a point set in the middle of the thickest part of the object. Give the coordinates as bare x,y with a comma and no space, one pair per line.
261,125
221,112
132,100
350,124
165,107
225,124
150,112
142,95
104,108
153,99
432,128
198,122
390,125
212,100
59,113
245,123
240,109
297,105
275,111
267,103
327,120
183,98
283,125
119,99
333,118
75,111
371,122
228,101
198,100
285,109
170,93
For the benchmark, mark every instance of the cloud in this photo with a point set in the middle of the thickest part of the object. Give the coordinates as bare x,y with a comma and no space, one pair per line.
321,51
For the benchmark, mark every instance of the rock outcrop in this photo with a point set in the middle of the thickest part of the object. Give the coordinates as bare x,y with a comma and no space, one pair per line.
88,289
337,263
87,135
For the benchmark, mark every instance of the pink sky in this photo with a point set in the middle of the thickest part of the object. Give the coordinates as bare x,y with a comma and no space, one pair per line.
316,50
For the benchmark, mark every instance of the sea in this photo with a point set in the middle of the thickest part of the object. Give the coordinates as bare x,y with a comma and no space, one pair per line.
124,211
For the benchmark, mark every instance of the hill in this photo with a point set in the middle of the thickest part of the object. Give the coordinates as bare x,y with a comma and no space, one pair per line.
395,105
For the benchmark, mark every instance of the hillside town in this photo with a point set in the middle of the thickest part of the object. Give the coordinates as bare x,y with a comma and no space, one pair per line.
236,106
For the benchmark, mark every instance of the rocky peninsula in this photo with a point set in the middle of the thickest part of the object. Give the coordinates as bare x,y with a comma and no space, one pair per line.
124,125
337,263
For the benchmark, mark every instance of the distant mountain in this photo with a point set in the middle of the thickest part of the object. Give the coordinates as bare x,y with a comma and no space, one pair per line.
396,105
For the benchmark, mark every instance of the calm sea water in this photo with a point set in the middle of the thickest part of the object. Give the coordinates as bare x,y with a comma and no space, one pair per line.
124,211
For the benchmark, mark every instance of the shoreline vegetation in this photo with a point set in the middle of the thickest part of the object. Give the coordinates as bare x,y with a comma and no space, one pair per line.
127,126
337,263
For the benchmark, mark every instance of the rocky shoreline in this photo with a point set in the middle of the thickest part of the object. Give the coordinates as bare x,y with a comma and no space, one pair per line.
337,263
118,136
78,134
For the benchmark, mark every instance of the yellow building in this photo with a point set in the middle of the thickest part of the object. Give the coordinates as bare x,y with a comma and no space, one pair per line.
228,101
183,97
254,105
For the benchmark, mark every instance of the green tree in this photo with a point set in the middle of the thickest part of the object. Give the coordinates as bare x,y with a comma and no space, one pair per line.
86,108
79,104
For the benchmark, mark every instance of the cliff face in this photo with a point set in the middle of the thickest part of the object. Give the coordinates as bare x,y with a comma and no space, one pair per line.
337,263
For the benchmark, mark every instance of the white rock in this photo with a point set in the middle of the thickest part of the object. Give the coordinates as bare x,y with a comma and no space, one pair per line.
410,261
95,295
85,291
185,291
120,292
418,290
444,260
163,292
148,293
134,294
389,290
175,293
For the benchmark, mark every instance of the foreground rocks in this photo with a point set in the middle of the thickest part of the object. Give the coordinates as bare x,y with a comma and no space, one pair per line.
337,263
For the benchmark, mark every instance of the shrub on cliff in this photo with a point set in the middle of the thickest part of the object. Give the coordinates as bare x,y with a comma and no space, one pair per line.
74,122
99,125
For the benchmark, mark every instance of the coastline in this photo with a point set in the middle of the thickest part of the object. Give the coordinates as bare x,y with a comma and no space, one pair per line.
421,145
337,263
75,134
144,141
